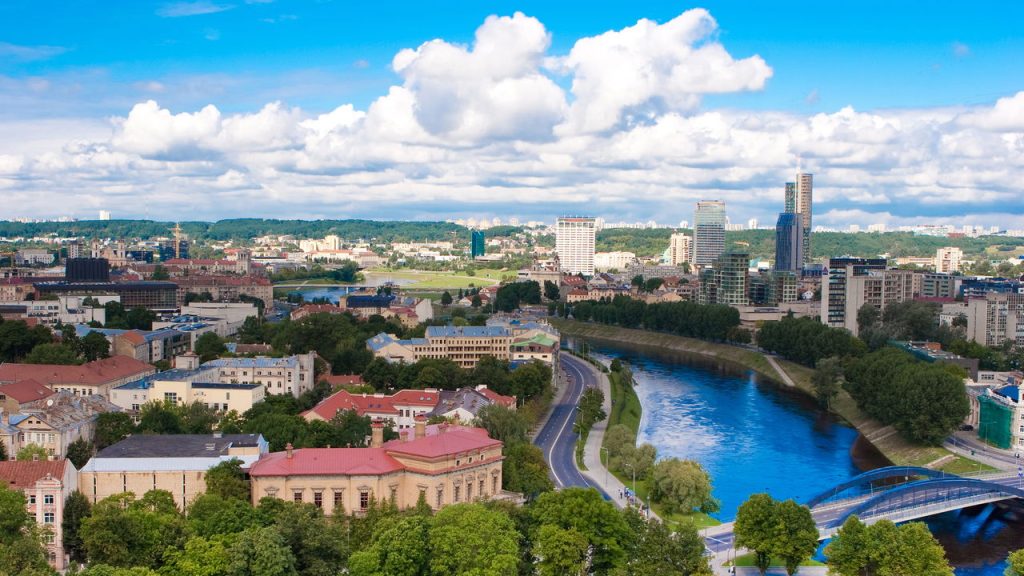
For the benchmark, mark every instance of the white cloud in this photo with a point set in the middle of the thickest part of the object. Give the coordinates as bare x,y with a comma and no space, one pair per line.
1006,116
29,53
960,49
180,9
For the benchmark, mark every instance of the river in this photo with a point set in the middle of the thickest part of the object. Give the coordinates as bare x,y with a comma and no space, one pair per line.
753,436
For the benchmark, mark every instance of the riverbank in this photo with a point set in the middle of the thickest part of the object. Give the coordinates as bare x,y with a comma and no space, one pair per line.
883,438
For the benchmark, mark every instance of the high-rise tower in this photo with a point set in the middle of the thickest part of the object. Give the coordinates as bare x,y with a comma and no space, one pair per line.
804,207
708,232
789,242
575,238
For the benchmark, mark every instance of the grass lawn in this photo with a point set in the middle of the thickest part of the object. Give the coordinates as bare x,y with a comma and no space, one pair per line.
428,279
748,560
626,407
963,465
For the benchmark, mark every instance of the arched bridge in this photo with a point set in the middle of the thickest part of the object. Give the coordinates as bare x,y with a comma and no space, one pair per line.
896,493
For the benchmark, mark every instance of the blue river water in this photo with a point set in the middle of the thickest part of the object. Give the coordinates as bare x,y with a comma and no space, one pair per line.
753,436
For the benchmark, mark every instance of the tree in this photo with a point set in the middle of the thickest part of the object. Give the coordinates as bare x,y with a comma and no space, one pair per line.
503,423
209,346
13,516
25,555
160,418
160,273
399,548
199,557
76,510
95,346
524,470
210,515
654,549
31,452
867,317
681,486
79,452
227,480
588,513
260,552
52,354
472,539
796,538
1016,564
380,374
17,339
755,529
560,551
123,531
112,427
140,319
475,301
618,438
638,460
591,409
884,548
827,380
446,298
551,291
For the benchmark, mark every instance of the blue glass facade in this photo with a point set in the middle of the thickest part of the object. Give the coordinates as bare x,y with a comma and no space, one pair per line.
789,243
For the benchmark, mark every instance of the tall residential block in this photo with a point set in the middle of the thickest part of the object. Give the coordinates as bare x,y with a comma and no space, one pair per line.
708,232
477,244
834,288
728,281
575,238
947,260
680,247
804,207
789,247
864,284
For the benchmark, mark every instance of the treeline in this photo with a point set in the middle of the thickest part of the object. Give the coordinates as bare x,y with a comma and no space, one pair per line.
347,272
924,401
806,340
528,381
709,322
514,294
222,534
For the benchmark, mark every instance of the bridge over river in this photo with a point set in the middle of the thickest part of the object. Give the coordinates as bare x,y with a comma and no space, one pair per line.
896,493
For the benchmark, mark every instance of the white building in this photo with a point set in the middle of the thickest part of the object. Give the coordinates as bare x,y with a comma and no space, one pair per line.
290,375
575,238
613,260
104,214
947,260
680,249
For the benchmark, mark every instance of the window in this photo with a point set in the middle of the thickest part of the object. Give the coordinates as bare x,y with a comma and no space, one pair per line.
32,499
48,499
48,517
318,499
440,497
494,484
338,501
394,495
297,495
135,407
364,499
171,397
481,488
469,491
455,493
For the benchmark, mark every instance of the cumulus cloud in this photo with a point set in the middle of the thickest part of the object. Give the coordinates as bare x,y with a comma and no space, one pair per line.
484,128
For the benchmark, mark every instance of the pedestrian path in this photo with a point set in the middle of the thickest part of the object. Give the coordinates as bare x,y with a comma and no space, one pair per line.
785,377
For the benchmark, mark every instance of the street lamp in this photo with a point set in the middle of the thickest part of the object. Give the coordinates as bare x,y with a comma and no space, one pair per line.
634,479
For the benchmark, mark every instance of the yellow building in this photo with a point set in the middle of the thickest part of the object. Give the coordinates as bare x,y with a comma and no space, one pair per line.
464,345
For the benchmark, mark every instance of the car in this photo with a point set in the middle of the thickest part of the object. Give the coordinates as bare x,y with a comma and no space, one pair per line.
966,428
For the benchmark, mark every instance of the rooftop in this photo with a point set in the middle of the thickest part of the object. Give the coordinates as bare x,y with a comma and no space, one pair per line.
176,374
326,461
377,403
22,475
466,331
91,373
25,391
257,362
178,445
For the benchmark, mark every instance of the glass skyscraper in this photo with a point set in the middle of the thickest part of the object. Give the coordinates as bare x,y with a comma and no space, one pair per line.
789,242
708,232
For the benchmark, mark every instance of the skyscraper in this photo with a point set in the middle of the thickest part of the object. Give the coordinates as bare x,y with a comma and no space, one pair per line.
791,197
789,243
708,232
804,201
575,238
477,246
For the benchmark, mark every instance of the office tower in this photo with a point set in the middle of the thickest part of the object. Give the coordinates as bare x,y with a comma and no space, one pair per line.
574,241
804,204
680,246
708,232
87,270
791,197
477,246
728,281
789,243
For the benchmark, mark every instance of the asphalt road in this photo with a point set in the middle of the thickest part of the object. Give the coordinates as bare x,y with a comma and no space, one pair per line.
557,439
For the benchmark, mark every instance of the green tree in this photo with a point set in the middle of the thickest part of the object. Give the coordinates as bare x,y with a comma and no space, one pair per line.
655,549
503,423
53,354
446,298
31,452
209,346
472,539
13,516
380,374
95,346
123,531
635,459
1016,564
827,380
591,409
79,452
211,515
227,480
884,548
112,427
589,514
76,509
260,552
796,537
681,486
560,551
139,319
199,557
160,273
475,301
867,317
755,529
400,547
26,555
160,418
618,438
524,470
551,291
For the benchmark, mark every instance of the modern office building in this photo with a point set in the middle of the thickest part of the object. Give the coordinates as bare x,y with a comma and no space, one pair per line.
87,270
791,197
708,232
156,296
477,244
789,240
728,281
680,249
575,239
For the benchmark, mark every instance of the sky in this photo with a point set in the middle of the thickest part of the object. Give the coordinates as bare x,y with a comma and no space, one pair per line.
630,111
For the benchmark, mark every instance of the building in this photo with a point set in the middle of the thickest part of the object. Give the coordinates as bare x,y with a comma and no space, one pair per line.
184,386
879,288
834,309
87,270
939,285
464,345
1000,412
46,486
292,375
33,257
947,260
104,214
605,261
680,249
442,464
54,422
995,318
932,352
156,296
575,239
226,288
708,232
65,309
790,201
15,395
478,244
400,408
971,288
535,346
97,377
176,463
464,404
789,248
728,280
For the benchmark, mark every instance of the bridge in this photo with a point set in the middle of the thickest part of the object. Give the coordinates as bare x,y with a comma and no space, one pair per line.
896,493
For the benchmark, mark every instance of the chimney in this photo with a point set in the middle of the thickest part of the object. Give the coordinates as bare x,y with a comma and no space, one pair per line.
377,433
421,426
288,450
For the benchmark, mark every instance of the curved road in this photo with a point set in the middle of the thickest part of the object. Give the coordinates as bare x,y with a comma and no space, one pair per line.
557,439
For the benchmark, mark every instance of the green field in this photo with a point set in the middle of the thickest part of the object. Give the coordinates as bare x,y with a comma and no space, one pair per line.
425,279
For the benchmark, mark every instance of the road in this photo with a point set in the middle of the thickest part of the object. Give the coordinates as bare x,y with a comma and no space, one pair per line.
557,439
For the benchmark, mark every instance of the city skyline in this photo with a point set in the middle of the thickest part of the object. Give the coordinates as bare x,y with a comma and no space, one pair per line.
420,117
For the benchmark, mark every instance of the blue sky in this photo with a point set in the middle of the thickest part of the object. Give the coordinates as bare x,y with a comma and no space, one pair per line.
70,73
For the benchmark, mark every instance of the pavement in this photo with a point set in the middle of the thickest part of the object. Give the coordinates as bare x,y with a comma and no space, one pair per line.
785,376
968,445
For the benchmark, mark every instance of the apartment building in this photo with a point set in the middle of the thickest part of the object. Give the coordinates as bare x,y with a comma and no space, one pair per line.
680,249
575,239
835,310
17,394
947,260
46,486
995,318
292,375
176,463
465,345
53,422
180,386
879,288
442,464
97,377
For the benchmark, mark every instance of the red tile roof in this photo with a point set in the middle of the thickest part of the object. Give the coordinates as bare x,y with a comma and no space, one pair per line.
448,441
94,373
134,337
496,398
22,475
375,403
326,461
343,380
25,391
219,280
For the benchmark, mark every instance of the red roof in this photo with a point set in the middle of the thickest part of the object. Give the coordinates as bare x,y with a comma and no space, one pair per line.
326,461
343,380
94,373
375,403
134,337
497,398
25,391
220,280
448,441
24,474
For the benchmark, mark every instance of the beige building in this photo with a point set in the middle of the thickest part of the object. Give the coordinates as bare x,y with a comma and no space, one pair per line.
186,387
53,422
680,249
947,260
443,464
46,486
996,318
289,375
176,463
879,288
464,345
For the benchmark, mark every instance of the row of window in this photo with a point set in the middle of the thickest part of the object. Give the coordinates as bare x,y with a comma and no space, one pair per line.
47,499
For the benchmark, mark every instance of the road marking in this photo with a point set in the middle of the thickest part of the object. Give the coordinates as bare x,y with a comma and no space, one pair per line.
551,450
